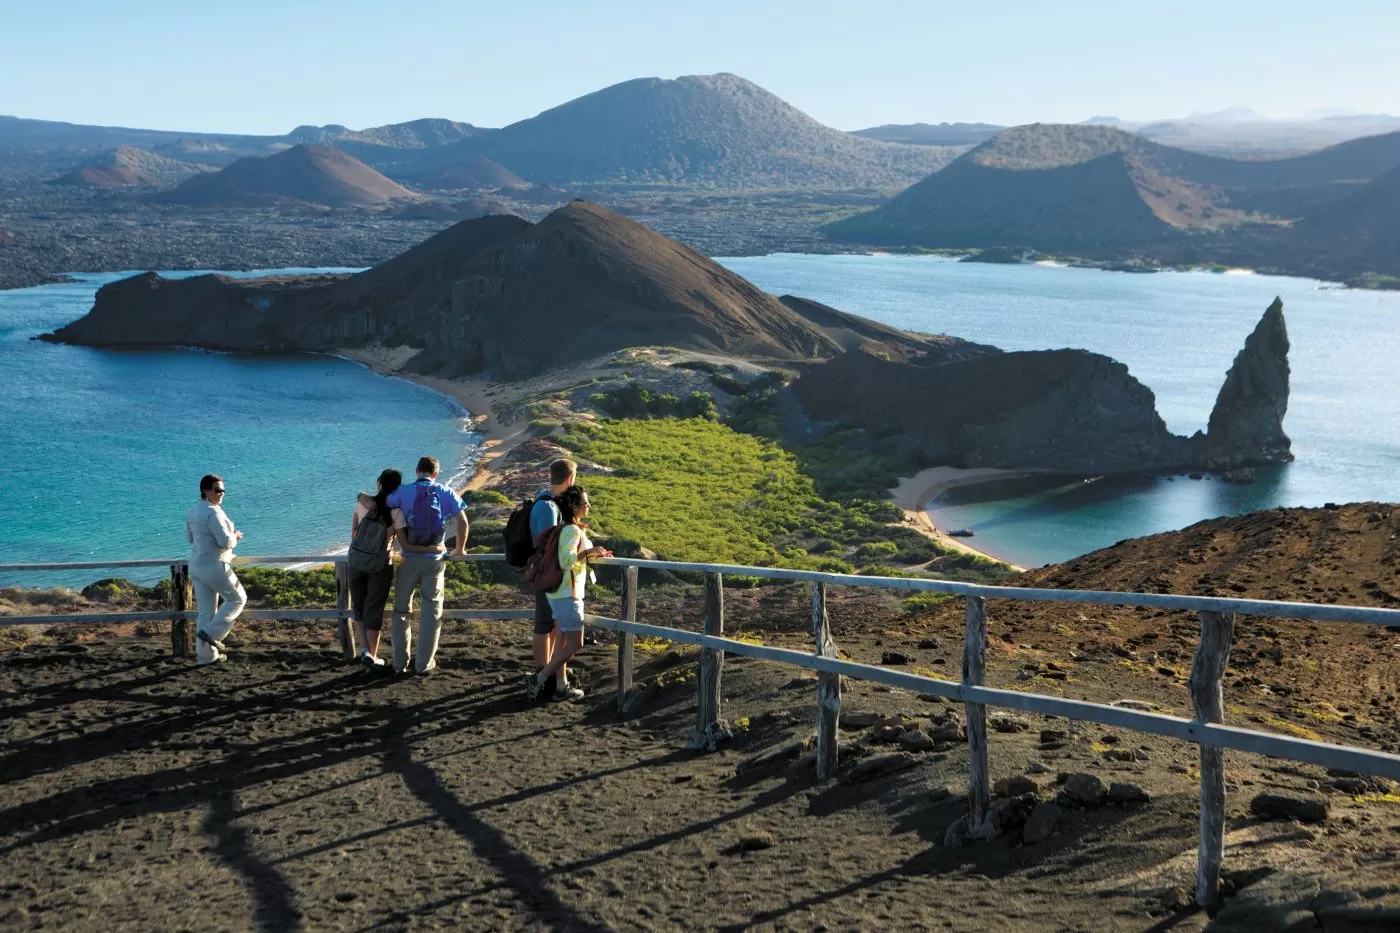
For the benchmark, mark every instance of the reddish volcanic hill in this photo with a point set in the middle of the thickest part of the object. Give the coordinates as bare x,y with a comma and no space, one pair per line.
129,167
310,173
478,174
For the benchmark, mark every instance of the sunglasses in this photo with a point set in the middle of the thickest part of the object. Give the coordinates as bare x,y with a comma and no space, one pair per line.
217,489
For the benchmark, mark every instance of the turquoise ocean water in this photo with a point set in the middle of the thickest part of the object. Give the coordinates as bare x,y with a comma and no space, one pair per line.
103,449
1178,333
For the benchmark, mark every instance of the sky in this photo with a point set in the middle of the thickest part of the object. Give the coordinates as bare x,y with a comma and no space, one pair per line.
265,67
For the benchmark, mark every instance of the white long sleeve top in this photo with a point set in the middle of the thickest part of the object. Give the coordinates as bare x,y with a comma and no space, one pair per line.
209,531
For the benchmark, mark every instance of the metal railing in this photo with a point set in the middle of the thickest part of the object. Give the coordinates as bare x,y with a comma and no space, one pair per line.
1206,682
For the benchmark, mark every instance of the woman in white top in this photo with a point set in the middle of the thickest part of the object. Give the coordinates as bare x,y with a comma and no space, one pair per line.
566,602
220,596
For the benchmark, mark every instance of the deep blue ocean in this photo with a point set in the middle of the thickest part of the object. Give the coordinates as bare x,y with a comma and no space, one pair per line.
103,449
1178,332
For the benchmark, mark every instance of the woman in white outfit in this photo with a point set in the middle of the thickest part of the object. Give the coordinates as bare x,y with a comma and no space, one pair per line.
212,539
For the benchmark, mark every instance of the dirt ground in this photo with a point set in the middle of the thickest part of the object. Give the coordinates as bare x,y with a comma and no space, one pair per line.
286,791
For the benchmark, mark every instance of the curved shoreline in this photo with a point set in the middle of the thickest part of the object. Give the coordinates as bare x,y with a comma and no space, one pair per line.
914,493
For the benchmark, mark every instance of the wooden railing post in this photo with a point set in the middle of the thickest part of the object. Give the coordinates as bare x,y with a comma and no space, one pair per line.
345,624
974,673
626,641
828,688
181,600
709,728
1208,698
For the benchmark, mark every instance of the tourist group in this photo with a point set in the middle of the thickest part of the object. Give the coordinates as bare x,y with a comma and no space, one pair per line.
400,537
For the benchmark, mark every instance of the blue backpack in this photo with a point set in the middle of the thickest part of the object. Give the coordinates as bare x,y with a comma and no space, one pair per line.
425,522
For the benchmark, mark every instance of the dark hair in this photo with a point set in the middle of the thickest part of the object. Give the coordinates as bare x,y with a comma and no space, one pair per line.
560,471
570,503
428,465
206,483
389,480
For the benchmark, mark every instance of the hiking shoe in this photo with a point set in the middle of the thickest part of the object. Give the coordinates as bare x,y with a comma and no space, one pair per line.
371,664
567,695
204,637
215,656
532,687
545,693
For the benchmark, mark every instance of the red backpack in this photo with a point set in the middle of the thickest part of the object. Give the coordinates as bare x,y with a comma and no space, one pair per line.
542,570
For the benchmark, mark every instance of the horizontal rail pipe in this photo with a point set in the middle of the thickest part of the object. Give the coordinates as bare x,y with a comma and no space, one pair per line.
1189,730
1307,612
165,615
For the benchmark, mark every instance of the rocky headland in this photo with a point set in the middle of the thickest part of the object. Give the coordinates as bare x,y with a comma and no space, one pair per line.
491,297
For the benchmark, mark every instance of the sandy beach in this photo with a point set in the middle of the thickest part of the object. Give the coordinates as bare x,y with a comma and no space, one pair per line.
914,492
498,436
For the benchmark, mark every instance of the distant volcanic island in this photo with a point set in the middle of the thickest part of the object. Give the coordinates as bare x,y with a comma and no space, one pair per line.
476,299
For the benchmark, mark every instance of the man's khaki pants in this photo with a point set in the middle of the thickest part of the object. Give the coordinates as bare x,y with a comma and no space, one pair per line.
426,575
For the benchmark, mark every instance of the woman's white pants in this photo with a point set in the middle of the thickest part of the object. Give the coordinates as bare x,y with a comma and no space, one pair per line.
220,597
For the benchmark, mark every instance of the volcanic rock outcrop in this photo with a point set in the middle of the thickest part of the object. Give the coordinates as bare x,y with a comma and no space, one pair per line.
1246,425
1059,410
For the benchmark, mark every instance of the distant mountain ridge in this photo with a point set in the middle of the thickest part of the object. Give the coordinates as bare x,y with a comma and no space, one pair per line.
309,173
716,128
1061,187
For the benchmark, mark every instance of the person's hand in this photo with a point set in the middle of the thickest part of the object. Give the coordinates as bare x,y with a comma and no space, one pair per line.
238,536
596,552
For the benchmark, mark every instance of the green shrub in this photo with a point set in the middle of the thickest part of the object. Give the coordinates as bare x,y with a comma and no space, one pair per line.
727,383
485,497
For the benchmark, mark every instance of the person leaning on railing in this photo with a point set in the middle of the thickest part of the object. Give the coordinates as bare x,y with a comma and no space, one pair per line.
219,595
566,602
426,506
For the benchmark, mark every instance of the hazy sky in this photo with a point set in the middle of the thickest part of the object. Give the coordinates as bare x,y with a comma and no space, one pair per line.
263,67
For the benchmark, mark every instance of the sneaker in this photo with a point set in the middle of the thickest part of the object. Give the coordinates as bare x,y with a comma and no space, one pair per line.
214,656
204,637
567,695
371,664
532,687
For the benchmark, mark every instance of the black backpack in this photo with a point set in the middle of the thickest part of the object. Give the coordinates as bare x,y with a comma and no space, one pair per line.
369,551
520,544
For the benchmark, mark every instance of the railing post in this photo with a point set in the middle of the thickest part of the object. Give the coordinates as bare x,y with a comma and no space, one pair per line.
828,688
1208,698
626,641
709,728
974,673
181,600
342,608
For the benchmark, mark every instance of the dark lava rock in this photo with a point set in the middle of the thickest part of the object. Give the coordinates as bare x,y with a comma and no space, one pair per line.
1282,807
1354,785
1084,789
929,644
756,841
1004,723
1015,787
880,765
1005,816
916,741
1125,792
894,657
1041,823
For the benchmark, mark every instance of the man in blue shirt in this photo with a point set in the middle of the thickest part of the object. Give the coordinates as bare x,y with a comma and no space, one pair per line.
544,515
423,511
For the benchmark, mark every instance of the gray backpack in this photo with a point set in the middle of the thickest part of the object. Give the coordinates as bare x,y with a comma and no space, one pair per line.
369,550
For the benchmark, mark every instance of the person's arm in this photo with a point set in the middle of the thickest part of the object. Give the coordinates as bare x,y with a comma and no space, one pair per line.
462,529
223,534
569,554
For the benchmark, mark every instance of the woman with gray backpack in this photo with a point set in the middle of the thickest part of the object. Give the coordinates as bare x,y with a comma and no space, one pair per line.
371,573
